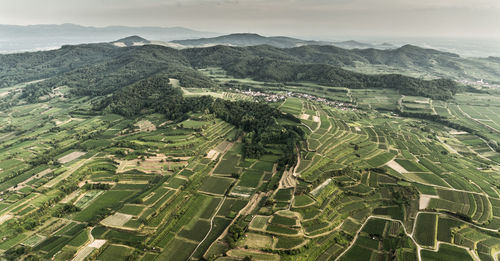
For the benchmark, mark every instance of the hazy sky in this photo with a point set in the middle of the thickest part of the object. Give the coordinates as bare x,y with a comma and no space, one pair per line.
312,18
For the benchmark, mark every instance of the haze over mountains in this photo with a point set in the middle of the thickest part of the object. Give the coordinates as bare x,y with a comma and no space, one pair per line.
103,68
248,39
15,38
246,146
409,59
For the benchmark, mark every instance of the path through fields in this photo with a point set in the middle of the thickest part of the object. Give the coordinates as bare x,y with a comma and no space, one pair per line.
211,227
476,120
91,245
411,235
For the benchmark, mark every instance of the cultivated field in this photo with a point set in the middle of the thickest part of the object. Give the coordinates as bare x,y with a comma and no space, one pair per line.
368,183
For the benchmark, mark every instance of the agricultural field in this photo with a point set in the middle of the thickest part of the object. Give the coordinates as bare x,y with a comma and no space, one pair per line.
365,182
352,167
121,176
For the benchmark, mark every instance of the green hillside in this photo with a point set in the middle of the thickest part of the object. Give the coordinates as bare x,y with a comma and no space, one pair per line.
243,153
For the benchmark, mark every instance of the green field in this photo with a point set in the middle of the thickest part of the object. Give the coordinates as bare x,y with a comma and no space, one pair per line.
425,232
150,174
216,185
292,105
110,199
446,252
115,252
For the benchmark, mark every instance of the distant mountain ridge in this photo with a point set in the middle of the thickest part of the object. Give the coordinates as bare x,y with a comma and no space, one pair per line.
16,38
131,41
252,39
247,39
268,62
409,60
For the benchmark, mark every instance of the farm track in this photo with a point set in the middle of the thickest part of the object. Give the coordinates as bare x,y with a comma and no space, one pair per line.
476,120
68,173
496,255
432,107
472,253
294,173
400,102
324,233
85,250
385,218
448,147
452,217
228,147
252,203
307,127
211,226
319,122
411,235
454,189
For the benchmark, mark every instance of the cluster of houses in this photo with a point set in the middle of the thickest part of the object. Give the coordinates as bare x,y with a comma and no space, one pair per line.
276,97
335,104
268,97
480,83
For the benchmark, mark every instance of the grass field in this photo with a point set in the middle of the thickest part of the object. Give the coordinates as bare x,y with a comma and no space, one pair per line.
302,200
109,199
178,249
446,252
292,105
216,185
253,240
425,232
115,252
259,222
357,253
241,253
283,195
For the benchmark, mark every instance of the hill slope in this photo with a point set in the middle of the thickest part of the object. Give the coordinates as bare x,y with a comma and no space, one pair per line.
409,59
131,41
102,69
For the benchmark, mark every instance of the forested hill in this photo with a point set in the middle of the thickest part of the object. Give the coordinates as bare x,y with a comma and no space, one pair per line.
102,69
408,59
247,39
251,39
131,41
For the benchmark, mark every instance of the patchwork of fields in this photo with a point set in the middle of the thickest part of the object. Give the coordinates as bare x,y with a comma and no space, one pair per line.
368,184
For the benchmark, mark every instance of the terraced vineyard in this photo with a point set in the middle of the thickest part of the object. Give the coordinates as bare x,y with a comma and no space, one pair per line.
367,184
359,170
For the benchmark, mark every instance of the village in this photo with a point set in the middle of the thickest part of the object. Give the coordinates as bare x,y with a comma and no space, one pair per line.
277,97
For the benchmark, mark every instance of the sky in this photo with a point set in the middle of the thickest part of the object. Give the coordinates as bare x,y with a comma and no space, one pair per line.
320,19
